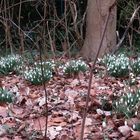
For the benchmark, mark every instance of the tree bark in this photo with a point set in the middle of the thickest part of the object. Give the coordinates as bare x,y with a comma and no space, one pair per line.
97,12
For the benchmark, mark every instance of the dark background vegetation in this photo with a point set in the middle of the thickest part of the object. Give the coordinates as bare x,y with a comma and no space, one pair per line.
56,25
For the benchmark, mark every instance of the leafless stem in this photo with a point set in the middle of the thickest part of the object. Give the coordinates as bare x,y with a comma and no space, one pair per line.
46,94
19,31
91,74
66,28
26,1
43,83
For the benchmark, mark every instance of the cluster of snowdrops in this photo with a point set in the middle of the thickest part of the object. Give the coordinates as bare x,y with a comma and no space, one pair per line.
39,72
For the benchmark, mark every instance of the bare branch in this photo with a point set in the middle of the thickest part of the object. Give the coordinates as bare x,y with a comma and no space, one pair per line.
126,31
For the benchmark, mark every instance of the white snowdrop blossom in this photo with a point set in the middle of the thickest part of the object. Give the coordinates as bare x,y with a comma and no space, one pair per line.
104,124
125,123
125,103
134,126
136,113
121,101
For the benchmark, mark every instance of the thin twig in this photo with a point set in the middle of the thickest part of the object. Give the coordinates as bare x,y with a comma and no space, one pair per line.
19,32
43,83
51,42
46,94
16,5
91,73
66,28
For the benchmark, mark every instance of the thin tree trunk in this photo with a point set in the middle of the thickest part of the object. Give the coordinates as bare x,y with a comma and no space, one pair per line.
97,12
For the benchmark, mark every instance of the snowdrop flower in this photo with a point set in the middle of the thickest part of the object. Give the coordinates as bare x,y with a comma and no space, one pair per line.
136,113
134,126
116,103
104,124
125,123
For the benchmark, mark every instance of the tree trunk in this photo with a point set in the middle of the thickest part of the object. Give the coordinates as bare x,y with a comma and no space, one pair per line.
97,11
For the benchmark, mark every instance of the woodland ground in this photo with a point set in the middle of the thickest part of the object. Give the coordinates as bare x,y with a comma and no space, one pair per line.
25,119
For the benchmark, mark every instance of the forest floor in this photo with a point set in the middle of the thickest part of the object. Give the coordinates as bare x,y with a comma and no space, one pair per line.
25,119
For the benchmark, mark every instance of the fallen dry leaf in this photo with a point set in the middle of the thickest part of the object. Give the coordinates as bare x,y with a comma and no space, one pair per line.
3,111
124,130
33,95
88,122
114,135
58,119
135,135
2,131
53,131
17,138
93,92
21,127
75,82
102,112
65,137
37,124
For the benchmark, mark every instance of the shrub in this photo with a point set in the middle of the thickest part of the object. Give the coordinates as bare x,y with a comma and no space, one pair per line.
9,64
6,96
34,75
117,66
127,105
74,67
